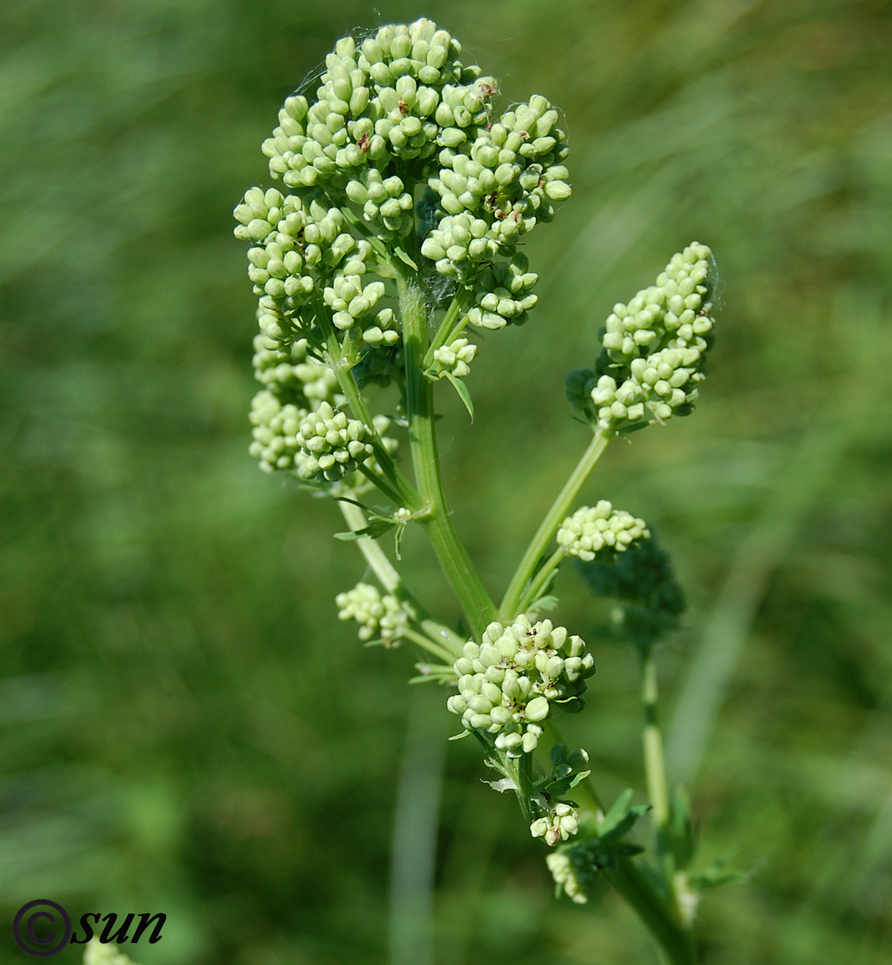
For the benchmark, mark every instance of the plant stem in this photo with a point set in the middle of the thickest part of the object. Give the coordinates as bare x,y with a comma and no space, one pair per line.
521,769
654,764
447,643
655,769
400,490
475,601
676,942
648,902
553,519
537,584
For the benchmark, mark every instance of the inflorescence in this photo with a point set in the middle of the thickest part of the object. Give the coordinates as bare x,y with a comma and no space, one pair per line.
398,174
653,350
509,683
599,529
395,116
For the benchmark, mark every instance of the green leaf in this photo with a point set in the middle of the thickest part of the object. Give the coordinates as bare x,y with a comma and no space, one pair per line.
404,258
548,602
463,393
617,812
375,530
680,830
718,873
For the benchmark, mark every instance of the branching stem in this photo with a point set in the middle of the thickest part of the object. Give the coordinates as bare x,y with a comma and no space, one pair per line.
475,601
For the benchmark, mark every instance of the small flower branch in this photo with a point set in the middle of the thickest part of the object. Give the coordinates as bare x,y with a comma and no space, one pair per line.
439,640
510,605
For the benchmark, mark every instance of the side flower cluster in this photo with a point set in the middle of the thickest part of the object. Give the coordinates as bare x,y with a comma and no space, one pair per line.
601,528
508,683
379,617
565,878
560,823
653,350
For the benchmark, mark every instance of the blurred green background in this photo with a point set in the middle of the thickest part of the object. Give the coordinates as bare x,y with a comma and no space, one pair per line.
188,729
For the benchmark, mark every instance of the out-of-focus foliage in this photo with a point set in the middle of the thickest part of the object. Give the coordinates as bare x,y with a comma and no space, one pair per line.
187,728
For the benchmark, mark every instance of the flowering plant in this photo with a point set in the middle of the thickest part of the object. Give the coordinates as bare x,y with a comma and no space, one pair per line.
396,238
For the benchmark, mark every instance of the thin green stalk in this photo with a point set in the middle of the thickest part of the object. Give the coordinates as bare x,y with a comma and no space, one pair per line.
521,769
654,764
444,332
475,601
400,490
420,640
447,642
655,768
636,886
540,580
553,519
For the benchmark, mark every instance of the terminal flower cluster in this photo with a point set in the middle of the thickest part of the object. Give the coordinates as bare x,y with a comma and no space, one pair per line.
379,617
653,350
591,530
392,112
509,682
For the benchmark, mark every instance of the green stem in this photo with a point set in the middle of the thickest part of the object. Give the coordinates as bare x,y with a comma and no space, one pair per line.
676,942
511,603
521,769
654,764
447,643
446,326
540,580
400,489
648,902
655,769
475,601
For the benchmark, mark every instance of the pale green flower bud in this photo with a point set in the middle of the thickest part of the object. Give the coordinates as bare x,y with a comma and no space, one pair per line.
599,530
98,952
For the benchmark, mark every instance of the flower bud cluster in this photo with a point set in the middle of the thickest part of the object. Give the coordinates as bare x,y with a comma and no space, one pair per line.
508,683
287,370
564,875
386,205
455,358
389,112
377,101
654,349
352,302
276,424
301,246
330,444
502,293
593,529
379,617
496,183
560,823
